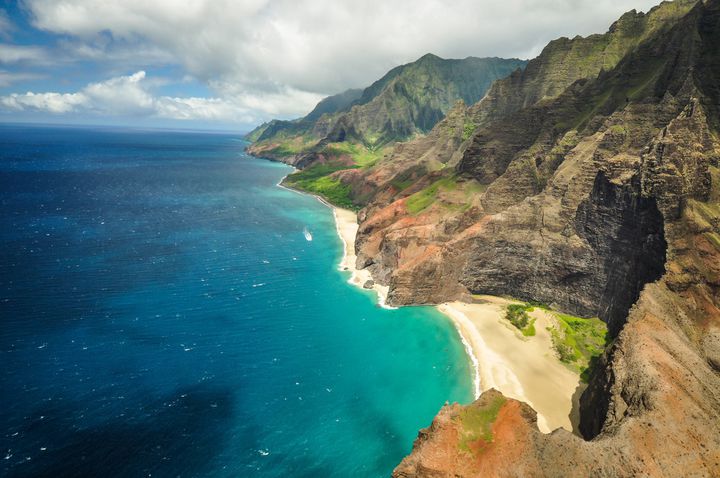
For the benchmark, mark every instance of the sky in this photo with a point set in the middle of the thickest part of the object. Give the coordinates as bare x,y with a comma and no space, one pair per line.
233,64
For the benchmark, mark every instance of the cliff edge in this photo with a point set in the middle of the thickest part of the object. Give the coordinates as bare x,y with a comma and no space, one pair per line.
604,200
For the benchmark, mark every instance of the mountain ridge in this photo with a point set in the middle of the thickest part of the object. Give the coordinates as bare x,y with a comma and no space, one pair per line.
407,101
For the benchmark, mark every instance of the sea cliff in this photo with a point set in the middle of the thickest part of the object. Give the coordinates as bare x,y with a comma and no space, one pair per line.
589,181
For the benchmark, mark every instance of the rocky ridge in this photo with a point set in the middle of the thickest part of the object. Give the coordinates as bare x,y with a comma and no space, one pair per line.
406,102
604,200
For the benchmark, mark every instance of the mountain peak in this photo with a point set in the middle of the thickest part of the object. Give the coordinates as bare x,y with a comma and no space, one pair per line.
429,57
408,100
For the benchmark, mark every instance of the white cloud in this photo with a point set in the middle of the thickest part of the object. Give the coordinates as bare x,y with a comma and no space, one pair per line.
8,78
50,102
277,57
18,53
131,96
102,50
325,46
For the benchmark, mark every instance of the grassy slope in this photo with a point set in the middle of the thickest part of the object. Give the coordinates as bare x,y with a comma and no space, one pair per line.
362,156
477,423
317,180
423,199
579,342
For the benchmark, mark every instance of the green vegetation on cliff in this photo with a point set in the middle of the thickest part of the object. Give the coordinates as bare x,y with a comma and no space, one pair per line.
362,156
579,342
421,200
477,421
451,192
468,129
317,180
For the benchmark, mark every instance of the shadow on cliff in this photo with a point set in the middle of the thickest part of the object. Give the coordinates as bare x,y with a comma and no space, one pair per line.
575,410
626,230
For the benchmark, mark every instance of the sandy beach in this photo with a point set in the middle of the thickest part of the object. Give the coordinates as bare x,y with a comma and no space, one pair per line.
347,227
524,368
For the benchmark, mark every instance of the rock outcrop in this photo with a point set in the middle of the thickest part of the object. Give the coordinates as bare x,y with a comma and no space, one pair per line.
604,200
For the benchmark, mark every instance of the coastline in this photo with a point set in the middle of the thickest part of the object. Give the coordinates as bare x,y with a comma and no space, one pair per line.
523,368
347,227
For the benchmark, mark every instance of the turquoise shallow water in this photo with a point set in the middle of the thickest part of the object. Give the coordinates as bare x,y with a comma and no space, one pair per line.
163,314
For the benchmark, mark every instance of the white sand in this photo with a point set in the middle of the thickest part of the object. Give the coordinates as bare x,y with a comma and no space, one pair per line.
347,227
524,368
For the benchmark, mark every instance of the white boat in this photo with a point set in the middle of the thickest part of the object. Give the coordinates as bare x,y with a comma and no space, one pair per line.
307,234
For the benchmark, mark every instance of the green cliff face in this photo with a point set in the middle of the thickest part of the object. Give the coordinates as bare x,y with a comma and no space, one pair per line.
302,126
408,101
334,104
564,61
413,98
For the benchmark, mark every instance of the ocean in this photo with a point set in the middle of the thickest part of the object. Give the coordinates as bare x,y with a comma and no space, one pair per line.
163,314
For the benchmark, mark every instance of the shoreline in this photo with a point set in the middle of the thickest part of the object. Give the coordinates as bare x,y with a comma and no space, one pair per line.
346,227
523,368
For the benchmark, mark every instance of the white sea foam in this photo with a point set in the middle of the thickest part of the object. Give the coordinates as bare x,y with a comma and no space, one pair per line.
473,359
490,369
359,276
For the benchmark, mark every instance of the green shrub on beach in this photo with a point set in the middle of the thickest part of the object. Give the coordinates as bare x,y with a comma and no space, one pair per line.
529,331
539,305
517,314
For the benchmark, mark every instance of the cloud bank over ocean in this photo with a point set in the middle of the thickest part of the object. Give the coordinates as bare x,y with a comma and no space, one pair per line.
245,62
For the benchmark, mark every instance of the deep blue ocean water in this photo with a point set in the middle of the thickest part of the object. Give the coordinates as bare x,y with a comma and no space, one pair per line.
162,313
